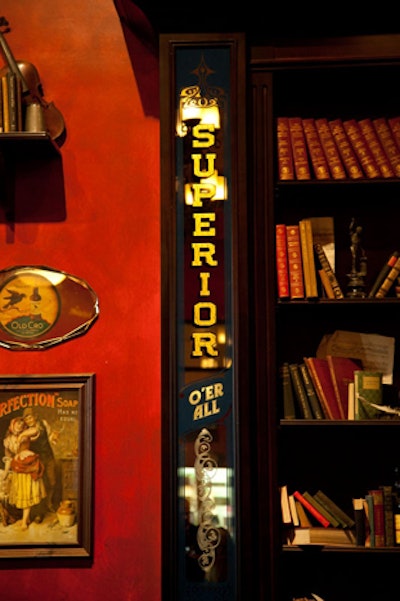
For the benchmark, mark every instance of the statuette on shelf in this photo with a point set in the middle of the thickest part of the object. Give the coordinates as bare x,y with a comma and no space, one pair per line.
356,285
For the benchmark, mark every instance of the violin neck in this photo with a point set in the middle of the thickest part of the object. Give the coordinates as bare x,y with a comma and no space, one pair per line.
12,63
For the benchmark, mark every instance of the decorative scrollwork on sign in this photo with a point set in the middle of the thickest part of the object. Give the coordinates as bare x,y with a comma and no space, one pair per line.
208,535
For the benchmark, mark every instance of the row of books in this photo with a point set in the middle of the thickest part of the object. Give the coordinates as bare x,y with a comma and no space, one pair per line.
305,267
335,388
10,103
317,519
338,149
376,520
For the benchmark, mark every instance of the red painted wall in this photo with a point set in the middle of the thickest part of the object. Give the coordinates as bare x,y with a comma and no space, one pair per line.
110,238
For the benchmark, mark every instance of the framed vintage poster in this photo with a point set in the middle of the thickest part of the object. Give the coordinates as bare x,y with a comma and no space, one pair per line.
46,465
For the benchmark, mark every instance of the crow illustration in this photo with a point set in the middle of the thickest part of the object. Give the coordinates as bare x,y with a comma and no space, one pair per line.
13,299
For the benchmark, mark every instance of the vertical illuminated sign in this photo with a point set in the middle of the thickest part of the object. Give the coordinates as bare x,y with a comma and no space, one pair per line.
205,367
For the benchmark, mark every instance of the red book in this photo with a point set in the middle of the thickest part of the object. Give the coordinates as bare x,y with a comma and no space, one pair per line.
299,148
346,151
385,135
342,373
321,377
330,149
296,281
282,273
379,517
284,150
375,146
394,124
361,148
318,516
317,156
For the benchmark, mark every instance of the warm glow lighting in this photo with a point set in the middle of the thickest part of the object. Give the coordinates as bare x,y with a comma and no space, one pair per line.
219,183
189,113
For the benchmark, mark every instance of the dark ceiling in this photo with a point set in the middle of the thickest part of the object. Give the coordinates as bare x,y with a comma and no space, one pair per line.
265,21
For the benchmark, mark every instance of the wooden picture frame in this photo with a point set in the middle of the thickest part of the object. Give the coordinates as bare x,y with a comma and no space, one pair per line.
46,434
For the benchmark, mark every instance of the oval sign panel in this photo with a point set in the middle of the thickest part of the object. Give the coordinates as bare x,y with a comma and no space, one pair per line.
41,307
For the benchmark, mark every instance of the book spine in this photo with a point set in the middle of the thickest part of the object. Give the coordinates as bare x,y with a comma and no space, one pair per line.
1,107
388,142
360,147
299,149
384,272
318,387
326,266
389,280
376,148
285,507
6,114
336,386
331,518
303,517
327,289
379,517
310,391
346,151
359,518
314,512
394,124
330,149
340,515
350,401
307,252
293,511
369,508
282,267
284,150
367,389
387,492
300,392
295,262
316,152
289,407
12,100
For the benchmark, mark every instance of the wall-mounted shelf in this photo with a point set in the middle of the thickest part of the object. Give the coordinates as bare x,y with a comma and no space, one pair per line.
25,143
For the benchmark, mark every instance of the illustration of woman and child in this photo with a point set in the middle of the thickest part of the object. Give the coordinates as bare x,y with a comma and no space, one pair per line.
24,468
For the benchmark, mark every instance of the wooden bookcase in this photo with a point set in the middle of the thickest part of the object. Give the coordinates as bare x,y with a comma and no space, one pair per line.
354,77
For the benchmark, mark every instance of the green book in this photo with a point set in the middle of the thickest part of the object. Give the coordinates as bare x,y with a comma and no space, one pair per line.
367,389
313,501
300,391
345,520
310,390
289,405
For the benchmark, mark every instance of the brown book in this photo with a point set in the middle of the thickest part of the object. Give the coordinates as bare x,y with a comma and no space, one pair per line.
375,146
342,373
346,151
284,150
304,520
326,266
307,253
299,149
295,263
321,377
6,110
394,124
379,517
388,142
331,151
318,535
361,148
316,152
327,290
389,280
282,268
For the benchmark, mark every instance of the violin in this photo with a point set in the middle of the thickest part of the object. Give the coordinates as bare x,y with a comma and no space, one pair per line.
32,89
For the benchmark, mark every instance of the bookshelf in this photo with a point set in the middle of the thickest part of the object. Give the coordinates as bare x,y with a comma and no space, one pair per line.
347,78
